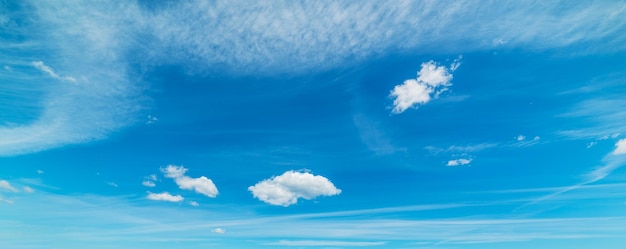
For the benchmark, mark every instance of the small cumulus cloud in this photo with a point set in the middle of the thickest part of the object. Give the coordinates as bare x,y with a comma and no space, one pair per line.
194,203
520,138
219,230
5,185
536,138
620,147
149,181
459,162
285,189
201,185
431,81
165,196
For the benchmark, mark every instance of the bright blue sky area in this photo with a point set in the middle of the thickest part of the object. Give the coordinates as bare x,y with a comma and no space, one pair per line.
312,124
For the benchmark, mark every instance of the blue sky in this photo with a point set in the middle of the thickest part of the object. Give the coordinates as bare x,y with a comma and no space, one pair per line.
319,124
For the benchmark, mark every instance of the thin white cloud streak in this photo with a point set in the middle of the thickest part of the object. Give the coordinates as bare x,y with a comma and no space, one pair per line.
87,219
610,163
285,190
46,69
605,118
319,243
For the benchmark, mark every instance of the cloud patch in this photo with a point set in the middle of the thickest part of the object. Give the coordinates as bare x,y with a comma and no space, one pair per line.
164,196
459,162
285,190
620,147
46,69
219,230
201,185
431,81
5,185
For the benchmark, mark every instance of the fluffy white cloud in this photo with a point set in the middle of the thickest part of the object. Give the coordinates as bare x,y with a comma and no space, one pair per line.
194,203
431,81
7,186
219,230
202,185
620,147
458,162
285,189
520,138
165,196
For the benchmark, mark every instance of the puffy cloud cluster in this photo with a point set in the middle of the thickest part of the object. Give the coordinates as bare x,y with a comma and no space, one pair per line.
285,189
201,185
431,81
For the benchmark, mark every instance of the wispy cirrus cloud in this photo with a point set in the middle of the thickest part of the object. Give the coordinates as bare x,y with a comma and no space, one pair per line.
318,243
96,45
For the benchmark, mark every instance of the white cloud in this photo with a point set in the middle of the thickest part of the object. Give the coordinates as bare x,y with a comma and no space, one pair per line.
520,138
536,138
202,184
40,171
458,162
431,81
112,184
591,144
620,147
250,38
194,203
165,196
148,183
28,189
7,186
219,230
285,189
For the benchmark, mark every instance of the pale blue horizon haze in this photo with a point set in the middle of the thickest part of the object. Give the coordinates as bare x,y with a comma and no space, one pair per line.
313,124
